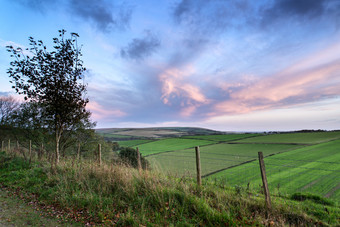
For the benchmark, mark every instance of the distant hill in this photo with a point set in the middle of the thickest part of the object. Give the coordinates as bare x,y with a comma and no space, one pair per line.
154,133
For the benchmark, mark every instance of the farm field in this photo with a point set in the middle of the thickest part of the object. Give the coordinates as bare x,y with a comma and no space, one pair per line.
117,136
171,144
303,138
131,143
313,169
158,132
214,157
295,162
222,138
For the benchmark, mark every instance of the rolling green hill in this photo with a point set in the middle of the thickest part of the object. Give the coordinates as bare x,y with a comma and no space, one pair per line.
296,162
161,132
313,169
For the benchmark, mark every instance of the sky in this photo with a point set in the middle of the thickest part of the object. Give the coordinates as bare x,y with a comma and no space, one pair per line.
229,65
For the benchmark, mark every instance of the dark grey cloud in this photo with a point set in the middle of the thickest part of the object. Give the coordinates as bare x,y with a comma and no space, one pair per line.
211,16
140,48
302,8
105,15
216,16
302,11
191,48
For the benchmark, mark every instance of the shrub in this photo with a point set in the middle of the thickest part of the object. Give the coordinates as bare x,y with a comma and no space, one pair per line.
130,156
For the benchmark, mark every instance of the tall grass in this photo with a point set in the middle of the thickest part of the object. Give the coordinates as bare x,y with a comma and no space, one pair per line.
117,194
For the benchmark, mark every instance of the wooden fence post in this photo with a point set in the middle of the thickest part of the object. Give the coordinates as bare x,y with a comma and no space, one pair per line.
18,147
139,160
9,145
198,166
2,146
78,152
42,150
264,181
99,154
30,151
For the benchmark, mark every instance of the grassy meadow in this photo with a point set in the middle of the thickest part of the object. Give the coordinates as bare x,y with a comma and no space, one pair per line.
213,157
133,143
222,138
302,169
306,162
171,144
303,172
299,138
114,195
313,169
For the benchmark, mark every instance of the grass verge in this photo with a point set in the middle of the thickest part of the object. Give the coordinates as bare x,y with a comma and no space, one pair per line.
118,195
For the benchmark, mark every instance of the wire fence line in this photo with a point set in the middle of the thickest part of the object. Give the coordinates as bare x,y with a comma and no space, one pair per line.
285,175
296,160
204,159
301,167
34,151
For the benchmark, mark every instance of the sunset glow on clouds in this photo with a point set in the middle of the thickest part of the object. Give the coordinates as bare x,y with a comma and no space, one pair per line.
175,88
227,65
306,81
100,112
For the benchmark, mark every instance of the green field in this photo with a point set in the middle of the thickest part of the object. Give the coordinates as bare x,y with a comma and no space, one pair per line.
303,138
295,162
222,138
313,169
171,144
214,157
117,136
131,143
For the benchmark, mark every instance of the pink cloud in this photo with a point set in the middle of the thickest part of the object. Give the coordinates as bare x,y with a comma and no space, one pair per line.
176,86
309,80
188,111
99,112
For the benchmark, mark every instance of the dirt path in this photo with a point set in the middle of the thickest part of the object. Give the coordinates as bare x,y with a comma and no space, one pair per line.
14,212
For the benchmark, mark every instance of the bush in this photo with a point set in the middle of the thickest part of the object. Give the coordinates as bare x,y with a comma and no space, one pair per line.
129,156
314,198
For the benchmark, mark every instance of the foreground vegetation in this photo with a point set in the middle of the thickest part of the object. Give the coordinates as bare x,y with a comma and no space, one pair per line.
313,169
114,194
214,157
299,162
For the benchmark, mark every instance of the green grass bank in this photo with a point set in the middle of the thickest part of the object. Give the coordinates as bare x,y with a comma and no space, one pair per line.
118,195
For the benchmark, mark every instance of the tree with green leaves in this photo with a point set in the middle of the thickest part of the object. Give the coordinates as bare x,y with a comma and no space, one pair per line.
52,79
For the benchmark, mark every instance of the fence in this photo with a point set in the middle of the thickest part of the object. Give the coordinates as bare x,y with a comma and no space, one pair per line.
31,152
287,174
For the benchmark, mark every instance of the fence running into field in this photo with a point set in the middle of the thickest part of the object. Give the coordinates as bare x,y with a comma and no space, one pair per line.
286,174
